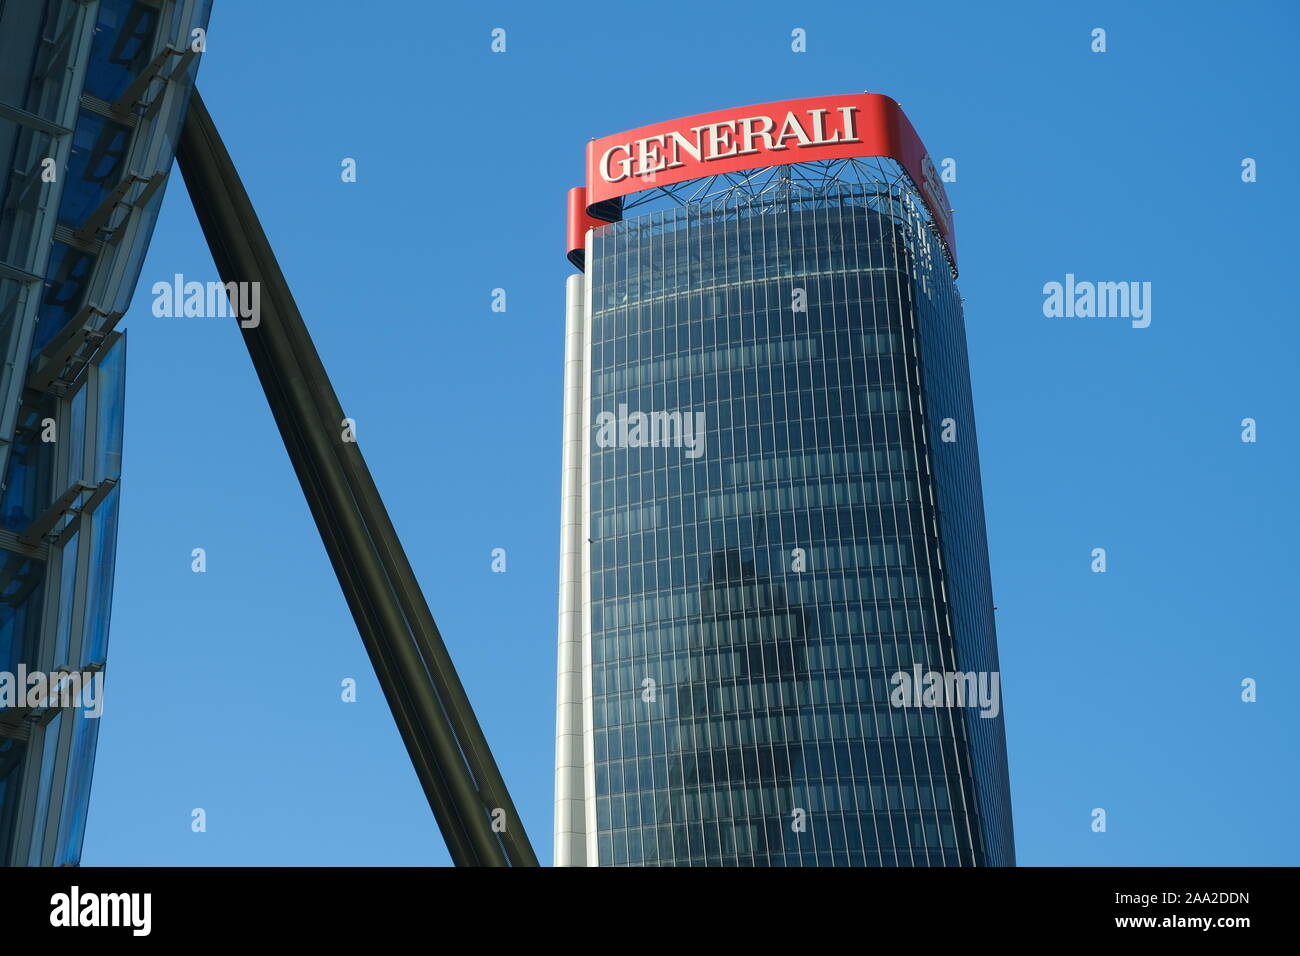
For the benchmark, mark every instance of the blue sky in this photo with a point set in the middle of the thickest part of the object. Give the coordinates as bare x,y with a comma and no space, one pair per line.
1121,690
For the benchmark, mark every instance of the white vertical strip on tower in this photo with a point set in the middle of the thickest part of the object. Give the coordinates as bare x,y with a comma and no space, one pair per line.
588,717
570,802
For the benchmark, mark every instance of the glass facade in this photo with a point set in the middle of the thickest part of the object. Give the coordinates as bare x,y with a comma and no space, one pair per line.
92,95
782,509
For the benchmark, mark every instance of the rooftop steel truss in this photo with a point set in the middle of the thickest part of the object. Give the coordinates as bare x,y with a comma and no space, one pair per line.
881,183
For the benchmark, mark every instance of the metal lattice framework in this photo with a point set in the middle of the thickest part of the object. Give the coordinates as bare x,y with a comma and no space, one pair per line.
879,182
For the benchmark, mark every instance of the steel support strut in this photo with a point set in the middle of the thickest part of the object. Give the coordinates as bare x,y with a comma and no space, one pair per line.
442,736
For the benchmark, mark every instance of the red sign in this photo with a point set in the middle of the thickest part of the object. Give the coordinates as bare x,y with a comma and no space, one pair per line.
751,137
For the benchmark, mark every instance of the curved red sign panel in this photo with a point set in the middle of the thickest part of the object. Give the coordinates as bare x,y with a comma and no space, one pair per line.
771,134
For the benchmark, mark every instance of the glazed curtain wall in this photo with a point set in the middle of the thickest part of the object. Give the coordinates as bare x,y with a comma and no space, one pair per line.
755,585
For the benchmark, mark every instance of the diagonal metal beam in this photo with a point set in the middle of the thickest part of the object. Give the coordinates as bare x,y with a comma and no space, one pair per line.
442,736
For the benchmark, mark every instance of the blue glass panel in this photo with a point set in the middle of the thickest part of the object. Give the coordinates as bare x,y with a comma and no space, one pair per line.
22,194
96,165
27,479
21,599
36,39
67,591
112,395
45,787
99,601
65,290
13,754
76,794
20,609
74,433
121,48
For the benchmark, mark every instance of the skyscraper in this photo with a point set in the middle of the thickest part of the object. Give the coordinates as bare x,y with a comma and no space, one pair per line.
92,95
772,524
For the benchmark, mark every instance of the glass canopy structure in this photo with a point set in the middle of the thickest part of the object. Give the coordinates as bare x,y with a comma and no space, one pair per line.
92,95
